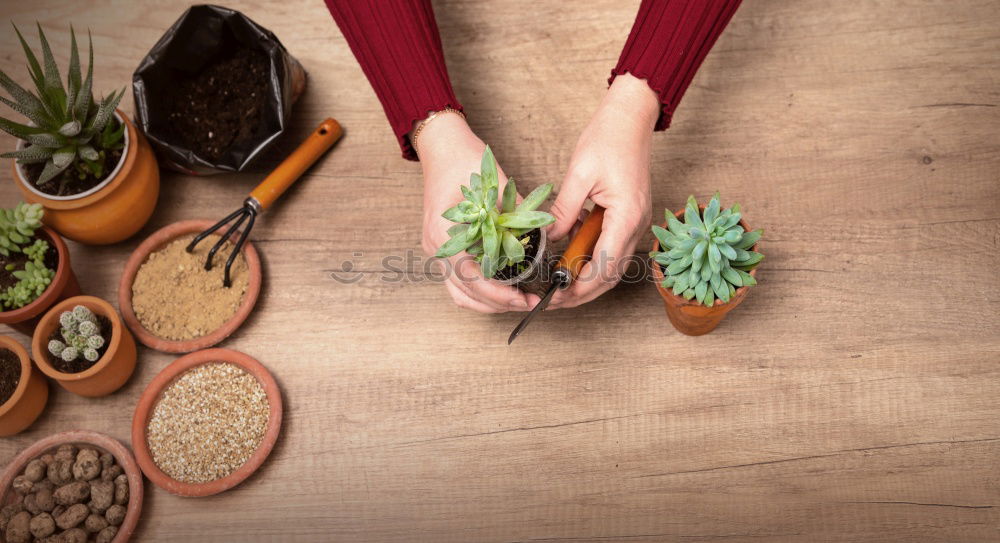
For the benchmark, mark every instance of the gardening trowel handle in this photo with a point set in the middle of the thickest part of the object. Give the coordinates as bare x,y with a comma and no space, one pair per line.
581,247
289,171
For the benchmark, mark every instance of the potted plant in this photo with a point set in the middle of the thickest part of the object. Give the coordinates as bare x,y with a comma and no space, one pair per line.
508,242
83,344
34,267
79,158
23,389
706,265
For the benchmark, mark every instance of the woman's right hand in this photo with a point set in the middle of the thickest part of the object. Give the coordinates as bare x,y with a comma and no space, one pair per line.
450,152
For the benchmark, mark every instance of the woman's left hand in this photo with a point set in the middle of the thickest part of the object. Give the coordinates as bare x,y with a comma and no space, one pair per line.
610,166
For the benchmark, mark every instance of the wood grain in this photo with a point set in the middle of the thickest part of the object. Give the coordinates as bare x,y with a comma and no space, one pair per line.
854,396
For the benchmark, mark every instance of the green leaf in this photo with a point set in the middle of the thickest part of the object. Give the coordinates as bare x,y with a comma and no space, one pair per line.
70,129
714,255
488,170
31,154
689,293
727,251
712,210
491,249
26,103
680,284
81,106
475,181
492,196
112,138
731,221
662,258
73,79
691,214
460,214
732,276
49,171
721,290
525,219
706,272
709,300
18,130
749,263
700,289
536,198
748,280
666,239
678,266
467,192
35,70
458,243
749,239
509,196
699,250
668,281
64,156
104,112
53,82
677,227
512,248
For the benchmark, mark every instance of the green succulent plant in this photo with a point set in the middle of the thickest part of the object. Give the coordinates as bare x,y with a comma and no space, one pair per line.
69,130
495,236
18,225
81,333
17,235
707,256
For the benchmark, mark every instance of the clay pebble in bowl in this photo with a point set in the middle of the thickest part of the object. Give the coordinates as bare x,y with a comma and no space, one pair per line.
82,439
161,239
172,374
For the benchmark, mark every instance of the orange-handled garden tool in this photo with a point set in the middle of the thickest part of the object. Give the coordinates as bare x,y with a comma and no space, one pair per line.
570,263
273,186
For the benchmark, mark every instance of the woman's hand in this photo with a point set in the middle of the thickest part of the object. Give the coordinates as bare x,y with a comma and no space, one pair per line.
610,166
449,153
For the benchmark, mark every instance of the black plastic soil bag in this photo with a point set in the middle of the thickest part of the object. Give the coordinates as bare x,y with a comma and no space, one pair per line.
215,91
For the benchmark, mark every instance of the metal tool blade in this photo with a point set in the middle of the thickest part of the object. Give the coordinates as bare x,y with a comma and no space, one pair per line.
539,307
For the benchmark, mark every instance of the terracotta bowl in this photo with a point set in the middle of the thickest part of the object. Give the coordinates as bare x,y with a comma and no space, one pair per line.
144,410
110,372
93,439
158,240
30,396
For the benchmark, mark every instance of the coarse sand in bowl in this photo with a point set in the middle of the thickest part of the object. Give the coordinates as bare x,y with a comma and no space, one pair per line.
207,423
175,298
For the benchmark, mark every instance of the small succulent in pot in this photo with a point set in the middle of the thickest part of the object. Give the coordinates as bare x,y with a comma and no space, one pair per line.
495,236
24,255
71,135
81,333
708,256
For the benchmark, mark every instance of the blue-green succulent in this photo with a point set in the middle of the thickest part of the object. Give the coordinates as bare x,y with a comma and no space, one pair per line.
708,256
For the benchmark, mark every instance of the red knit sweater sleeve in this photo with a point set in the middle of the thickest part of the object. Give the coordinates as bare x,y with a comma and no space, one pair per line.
668,42
399,49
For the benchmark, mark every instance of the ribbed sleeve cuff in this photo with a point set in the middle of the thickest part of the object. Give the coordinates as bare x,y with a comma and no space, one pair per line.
668,42
399,49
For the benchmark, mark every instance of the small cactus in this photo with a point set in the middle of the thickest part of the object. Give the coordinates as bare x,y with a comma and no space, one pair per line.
81,333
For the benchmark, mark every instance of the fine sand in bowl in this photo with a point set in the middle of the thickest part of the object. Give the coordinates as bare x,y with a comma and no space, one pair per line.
175,298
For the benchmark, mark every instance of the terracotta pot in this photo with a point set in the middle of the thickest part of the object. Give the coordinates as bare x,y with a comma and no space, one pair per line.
144,409
110,372
63,286
688,316
113,210
30,396
82,438
158,240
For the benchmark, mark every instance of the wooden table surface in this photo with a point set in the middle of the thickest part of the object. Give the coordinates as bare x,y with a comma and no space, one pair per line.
854,396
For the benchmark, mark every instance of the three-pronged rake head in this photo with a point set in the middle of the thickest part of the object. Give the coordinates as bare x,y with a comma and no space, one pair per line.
249,211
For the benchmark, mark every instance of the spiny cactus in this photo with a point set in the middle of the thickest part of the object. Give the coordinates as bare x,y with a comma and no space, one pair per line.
81,333
17,235
69,128
496,237
707,256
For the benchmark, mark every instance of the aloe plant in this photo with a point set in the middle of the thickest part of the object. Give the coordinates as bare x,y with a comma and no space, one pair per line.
495,236
70,132
708,256
81,333
17,235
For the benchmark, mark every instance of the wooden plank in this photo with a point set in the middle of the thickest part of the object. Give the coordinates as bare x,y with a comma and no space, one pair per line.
853,396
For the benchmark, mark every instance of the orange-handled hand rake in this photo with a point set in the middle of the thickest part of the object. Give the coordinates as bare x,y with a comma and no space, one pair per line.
273,186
